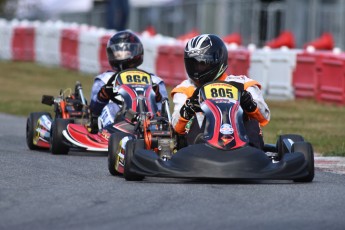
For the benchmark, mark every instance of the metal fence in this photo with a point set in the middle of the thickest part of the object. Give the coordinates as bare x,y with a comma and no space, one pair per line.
257,21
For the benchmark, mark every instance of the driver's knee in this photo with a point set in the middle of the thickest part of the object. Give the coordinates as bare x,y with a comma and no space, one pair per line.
254,133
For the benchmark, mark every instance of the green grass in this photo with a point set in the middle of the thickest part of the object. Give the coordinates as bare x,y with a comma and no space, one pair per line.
22,85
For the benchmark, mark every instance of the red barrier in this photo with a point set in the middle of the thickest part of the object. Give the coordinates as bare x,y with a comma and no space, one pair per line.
23,44
178,71
238,61
69,48
164,65
170,64
150,30
233,38
286,38
188,35
102,54
332,79
307,73
324,42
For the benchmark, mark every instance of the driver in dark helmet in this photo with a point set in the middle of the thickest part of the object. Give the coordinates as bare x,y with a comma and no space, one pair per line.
206,59
124,51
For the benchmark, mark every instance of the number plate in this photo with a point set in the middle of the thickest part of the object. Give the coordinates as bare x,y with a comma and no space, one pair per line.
135,77
220,90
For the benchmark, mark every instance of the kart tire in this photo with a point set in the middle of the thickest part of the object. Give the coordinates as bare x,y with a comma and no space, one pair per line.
31,124
57,145
131,146
307,150
113,149
281,148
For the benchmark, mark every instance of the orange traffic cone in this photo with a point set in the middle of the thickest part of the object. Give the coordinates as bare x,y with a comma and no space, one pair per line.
324,42
286,38
233,38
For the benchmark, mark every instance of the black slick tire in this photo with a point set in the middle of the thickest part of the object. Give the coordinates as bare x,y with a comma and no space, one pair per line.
131,146
113,149
307,150
57,145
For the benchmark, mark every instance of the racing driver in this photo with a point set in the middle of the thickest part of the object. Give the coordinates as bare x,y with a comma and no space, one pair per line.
124,51
206,59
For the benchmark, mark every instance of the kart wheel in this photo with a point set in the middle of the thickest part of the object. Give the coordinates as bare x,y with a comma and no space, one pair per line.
114,147
131,146
283,147
307,150
31,124
57,146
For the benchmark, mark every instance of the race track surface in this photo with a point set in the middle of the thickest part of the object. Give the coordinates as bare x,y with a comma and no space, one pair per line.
42,191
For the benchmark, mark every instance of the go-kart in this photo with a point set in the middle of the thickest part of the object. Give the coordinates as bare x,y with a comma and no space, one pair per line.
153,127
67,106
223,150
134,91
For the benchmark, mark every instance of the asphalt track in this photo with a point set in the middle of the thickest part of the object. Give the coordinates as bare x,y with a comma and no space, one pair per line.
42,191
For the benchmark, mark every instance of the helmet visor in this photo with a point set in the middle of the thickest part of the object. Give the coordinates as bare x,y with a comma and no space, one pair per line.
197,67
125,51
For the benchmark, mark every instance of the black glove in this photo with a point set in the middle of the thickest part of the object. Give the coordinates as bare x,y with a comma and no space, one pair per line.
247,102
190,107
158,94
107,91
93,124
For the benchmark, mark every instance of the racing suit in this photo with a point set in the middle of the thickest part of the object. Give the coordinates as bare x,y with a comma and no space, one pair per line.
253,121
107,110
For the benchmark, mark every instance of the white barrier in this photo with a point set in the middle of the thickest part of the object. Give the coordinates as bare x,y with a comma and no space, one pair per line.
47,43
89,45
151,44
274,70
6,34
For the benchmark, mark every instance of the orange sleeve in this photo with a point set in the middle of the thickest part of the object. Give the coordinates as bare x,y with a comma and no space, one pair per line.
251,83
258,116
185,90
180,126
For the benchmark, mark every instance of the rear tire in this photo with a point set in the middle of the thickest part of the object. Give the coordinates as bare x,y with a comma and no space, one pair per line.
131,147
113,150
307,150
57,145
31,124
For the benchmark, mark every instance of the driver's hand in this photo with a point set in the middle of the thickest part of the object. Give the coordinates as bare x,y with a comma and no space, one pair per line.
107,93
247,102
190,107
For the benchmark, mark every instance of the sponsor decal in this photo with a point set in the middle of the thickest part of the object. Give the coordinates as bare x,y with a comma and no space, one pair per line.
226,129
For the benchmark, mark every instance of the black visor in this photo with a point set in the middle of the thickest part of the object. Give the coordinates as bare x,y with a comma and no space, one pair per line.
198,67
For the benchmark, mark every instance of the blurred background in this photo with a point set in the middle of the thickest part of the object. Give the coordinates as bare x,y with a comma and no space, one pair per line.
257,21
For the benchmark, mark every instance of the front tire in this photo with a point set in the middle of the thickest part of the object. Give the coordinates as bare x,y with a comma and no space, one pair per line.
114,147
282,147
31,125
131,146
57,145
308,152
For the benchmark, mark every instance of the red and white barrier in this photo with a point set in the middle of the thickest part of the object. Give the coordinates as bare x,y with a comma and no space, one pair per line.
284,73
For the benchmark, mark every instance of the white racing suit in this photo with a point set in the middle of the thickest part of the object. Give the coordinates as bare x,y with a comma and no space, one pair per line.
106,110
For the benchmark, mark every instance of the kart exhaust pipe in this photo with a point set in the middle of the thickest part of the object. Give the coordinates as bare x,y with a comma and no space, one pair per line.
80,91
